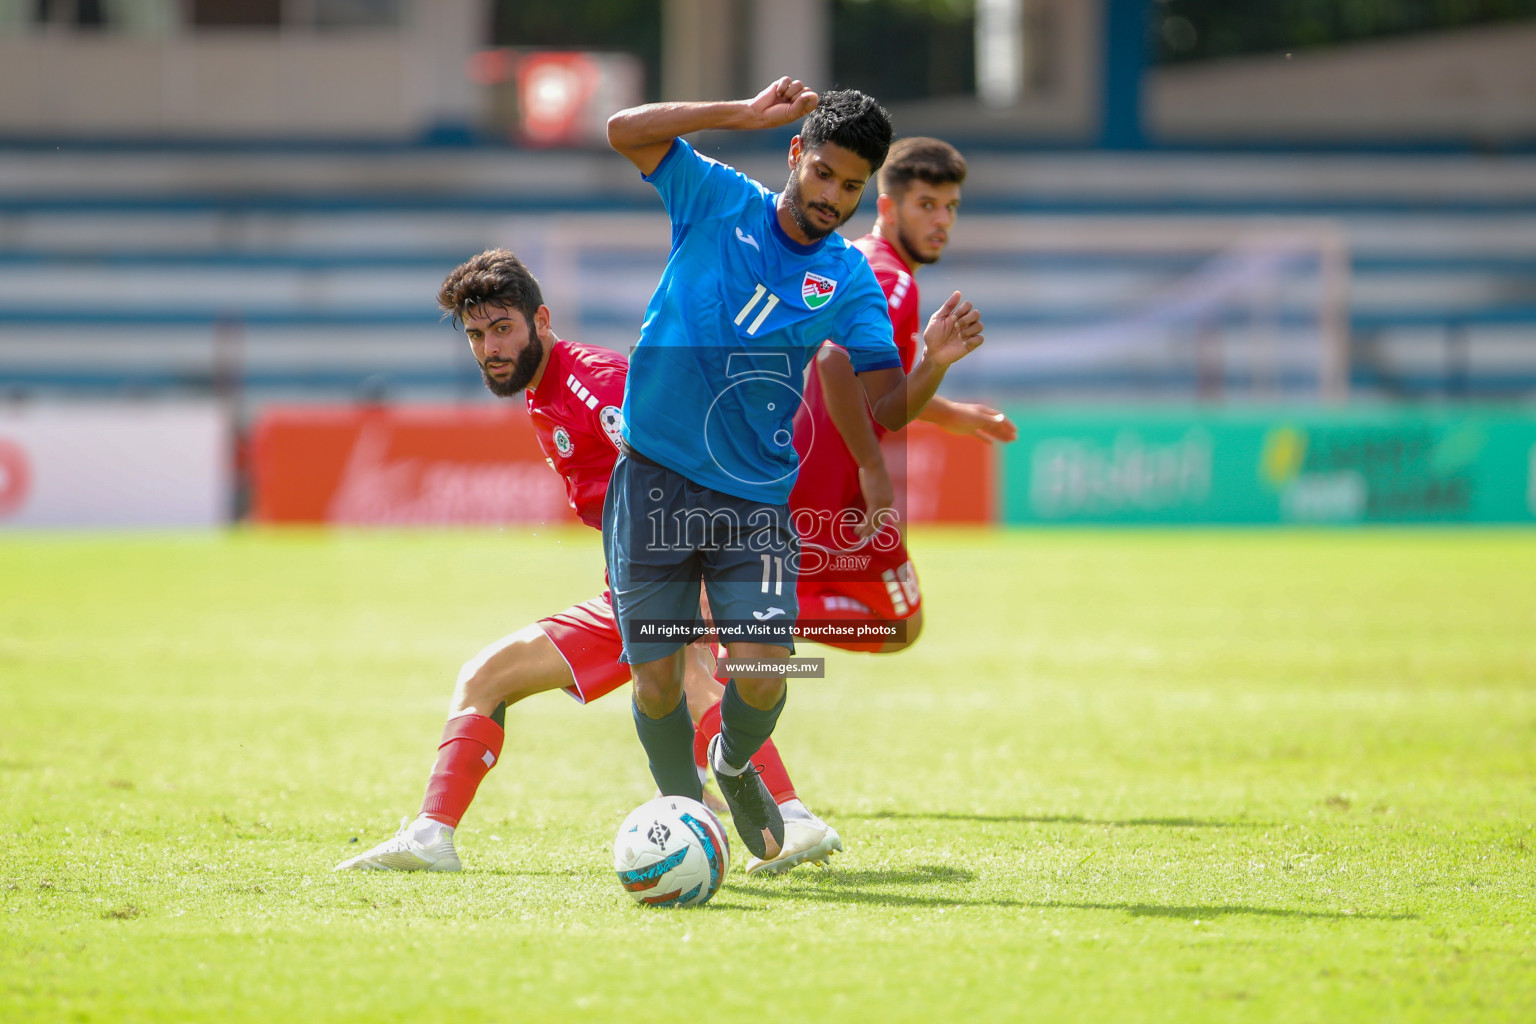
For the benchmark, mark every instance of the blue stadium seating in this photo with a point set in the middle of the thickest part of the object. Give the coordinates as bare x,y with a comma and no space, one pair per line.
296,275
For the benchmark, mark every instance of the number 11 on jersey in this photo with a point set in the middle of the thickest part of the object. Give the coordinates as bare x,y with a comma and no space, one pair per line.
773,300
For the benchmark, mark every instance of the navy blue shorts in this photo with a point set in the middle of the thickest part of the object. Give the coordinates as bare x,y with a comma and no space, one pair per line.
663,533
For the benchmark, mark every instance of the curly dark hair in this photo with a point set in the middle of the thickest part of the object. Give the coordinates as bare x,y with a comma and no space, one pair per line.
917,158
496,277
851,120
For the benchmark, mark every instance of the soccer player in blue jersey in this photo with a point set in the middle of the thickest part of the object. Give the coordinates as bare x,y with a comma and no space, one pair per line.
755,282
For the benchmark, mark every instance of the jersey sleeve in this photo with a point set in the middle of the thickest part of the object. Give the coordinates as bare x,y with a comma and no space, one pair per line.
694,187
901,303
608,415
864,328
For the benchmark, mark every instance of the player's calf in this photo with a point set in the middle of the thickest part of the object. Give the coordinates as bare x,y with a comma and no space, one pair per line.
664,725
502,673
514,667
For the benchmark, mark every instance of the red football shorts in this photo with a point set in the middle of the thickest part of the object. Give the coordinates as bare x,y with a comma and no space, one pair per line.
587,637
876,576
879,577
863,583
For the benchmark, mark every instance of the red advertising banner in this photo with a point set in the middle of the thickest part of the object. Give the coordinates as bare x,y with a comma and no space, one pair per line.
413,465
945,478
425,465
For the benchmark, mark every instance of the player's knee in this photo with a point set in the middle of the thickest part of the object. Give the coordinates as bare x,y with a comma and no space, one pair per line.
655,698
658,687
761,692
479,687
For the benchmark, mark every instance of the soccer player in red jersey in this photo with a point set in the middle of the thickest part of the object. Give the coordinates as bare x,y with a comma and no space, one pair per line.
574,395
918,204
846,577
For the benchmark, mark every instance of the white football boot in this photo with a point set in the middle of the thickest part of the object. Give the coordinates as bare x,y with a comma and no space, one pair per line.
420,845
807,840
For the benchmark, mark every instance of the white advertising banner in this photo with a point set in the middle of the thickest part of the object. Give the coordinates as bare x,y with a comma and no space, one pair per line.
114,465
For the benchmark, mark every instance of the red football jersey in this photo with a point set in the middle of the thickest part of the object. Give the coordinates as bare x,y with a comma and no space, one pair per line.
900,294
577,414
829,476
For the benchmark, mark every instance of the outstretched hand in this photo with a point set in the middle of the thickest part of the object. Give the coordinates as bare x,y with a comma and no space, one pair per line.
971,419
782,102
953,332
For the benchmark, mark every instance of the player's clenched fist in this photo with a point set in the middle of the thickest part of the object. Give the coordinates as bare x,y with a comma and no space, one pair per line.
782,102
953,332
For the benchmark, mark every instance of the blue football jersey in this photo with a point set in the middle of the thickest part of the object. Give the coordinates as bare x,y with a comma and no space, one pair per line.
716,378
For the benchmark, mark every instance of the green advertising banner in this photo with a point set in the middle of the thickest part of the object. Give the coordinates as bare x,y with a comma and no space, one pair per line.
1339,466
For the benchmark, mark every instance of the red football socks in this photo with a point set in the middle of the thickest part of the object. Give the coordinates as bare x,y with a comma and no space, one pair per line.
471,745
775,776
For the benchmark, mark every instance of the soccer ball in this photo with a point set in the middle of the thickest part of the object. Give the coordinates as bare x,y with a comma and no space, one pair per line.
671,852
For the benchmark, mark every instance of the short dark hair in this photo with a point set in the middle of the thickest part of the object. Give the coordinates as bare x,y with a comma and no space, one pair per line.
496,277
851,120
918,158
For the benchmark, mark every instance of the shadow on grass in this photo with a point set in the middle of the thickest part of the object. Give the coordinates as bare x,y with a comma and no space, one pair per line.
841,887
923,874
864,897
1209,911
836,886
1041,819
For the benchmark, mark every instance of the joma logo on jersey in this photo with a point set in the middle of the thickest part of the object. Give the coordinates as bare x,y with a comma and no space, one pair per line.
816,290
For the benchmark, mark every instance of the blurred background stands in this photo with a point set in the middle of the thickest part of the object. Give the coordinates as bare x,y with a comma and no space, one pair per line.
1169,200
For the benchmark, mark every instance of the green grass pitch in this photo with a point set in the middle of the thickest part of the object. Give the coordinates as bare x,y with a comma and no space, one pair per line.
1170,776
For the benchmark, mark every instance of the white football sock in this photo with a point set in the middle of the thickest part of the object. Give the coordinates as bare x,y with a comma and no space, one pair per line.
427,830
793,808
717,758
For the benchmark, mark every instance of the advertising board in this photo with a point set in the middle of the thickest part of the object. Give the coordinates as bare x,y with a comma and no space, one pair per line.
1319,466
423,465
114,465
402,466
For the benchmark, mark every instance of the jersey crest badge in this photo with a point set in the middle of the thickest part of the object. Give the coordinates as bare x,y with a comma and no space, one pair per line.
563,443
816,290
612,419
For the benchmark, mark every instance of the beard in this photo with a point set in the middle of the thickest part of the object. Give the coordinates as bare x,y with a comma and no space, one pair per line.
814,232
918,256
523,369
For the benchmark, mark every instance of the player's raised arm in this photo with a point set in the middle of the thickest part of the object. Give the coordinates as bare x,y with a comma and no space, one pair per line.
953,332
644,134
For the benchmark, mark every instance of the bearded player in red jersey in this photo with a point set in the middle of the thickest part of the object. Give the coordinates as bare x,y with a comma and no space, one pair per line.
574,395
845,577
